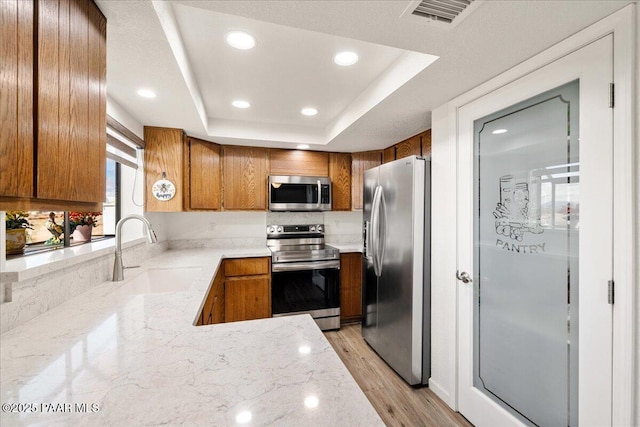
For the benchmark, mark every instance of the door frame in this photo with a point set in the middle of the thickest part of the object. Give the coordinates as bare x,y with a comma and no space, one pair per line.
625,231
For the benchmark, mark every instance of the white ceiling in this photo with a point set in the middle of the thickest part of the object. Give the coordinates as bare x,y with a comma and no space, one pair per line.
177,49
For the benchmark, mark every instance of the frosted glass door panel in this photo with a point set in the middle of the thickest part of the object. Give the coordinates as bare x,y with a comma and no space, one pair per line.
526,257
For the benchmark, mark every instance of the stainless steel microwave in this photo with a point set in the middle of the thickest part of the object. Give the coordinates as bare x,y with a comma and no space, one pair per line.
299,193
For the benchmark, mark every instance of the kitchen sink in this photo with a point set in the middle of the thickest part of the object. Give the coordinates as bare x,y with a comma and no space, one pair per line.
159,280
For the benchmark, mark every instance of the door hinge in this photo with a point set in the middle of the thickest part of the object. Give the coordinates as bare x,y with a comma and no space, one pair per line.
611,291
611,95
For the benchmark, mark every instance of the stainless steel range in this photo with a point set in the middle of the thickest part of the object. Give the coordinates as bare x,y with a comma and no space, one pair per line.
305,274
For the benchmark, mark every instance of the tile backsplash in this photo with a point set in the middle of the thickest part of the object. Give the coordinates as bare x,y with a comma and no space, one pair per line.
242,229
343,227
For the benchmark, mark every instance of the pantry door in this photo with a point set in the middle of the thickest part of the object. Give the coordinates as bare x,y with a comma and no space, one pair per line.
534,239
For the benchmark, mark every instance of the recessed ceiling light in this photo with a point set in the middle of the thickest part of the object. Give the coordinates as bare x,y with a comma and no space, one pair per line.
499,131
241,104
146,93
302,147
346,58
309,111
240,40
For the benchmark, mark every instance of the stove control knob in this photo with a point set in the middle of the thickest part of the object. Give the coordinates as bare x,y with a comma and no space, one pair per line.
313,228
319,229
279,229
271,230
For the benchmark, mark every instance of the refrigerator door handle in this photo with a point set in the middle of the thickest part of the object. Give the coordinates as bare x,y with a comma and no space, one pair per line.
374,230
382,238
366,239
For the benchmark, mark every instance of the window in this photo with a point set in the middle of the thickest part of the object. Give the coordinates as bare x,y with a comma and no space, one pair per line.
47,231
110,207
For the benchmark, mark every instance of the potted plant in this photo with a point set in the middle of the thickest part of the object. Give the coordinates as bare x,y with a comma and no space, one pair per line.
16,224
82,224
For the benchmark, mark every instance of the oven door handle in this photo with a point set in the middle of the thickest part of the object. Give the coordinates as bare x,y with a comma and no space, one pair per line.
299,266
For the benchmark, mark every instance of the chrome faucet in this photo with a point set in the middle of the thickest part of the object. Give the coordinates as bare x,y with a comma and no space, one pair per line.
118,269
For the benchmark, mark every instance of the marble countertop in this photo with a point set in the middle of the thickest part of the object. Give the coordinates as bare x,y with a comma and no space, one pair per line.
347,247
128,353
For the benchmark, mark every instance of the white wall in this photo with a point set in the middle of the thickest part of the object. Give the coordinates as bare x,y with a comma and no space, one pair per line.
444,152
116,111
210,229
131,199
340,227
443,255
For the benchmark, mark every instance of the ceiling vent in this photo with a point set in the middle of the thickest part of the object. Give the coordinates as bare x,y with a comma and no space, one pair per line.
444,11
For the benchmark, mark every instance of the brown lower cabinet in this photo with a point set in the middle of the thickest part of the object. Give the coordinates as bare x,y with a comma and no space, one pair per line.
213,310
247,298
350,287
241,290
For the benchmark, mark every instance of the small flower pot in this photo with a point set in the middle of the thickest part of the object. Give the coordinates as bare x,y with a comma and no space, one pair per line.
16,240
82,233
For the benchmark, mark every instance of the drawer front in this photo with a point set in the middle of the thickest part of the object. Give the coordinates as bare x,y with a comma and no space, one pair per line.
246,266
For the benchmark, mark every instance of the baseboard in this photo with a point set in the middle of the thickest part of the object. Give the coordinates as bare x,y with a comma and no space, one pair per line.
350,320
442,393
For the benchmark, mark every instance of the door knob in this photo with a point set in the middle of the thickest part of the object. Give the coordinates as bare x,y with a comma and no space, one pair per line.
463,277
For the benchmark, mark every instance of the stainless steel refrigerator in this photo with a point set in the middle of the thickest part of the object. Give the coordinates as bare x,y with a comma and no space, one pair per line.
396,266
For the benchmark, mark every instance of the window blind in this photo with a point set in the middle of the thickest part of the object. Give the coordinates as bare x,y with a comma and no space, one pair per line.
122,144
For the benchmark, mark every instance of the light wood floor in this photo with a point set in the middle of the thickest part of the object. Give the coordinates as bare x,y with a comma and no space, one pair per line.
397,403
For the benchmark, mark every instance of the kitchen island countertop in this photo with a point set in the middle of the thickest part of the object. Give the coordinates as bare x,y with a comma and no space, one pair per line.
126,353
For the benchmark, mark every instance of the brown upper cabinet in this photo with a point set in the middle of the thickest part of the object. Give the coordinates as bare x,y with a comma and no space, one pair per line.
426,143
193,165
360,162
389,154
409,147
340,174
164,157
52,104
298,162
16,99
203,175
244,178
209,176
